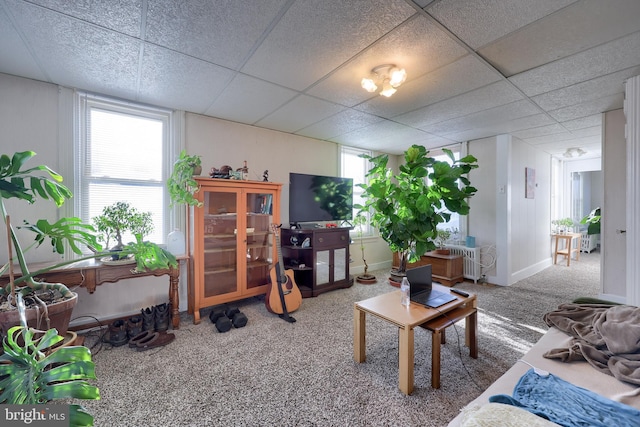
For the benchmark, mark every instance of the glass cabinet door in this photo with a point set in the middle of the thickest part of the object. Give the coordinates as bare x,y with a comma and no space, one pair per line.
220,243
259,241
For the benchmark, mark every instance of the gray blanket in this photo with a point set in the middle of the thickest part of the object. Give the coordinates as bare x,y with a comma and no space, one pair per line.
608,337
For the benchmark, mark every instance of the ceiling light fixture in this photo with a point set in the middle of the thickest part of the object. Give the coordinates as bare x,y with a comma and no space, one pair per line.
387,76
574,152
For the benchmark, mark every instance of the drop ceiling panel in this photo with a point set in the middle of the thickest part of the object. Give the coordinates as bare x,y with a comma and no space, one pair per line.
344,122
590,90
481,119
584,122
417,45
478,23
299,113
612,102
539,131
487,97
604,59
567,138
385,135
81,55
14,53
316,36
580,26
209,30
190,83
247,100
123,16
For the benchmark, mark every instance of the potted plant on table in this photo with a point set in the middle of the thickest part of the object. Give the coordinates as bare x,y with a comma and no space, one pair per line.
18,181
408,206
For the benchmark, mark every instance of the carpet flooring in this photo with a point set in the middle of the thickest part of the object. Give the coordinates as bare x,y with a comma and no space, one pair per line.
274,373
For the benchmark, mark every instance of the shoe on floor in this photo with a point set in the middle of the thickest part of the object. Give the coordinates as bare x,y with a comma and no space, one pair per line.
157,339
134,326
118,333
133,342
162,317
148,318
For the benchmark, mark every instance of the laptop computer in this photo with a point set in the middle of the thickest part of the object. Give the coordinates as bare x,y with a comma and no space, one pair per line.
420,288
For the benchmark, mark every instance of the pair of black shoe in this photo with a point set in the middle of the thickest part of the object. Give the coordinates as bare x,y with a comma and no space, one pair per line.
224,317
156,318
121,331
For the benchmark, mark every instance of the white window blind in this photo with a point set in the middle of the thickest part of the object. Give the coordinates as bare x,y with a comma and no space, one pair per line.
121,156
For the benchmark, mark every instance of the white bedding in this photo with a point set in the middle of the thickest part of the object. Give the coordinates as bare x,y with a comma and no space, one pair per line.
580,374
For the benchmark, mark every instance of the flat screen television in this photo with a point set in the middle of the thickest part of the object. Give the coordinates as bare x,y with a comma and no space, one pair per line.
314,198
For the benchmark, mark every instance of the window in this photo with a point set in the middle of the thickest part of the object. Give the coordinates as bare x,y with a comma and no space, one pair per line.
121,154
455,221
354,166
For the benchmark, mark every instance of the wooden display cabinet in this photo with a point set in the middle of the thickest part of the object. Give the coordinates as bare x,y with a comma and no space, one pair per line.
323,264
233,249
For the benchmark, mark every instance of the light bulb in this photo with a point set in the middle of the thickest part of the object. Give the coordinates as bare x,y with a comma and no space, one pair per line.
368,85
397,76
387,89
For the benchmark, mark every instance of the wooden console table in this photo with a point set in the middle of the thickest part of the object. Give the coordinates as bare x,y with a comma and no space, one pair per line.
90,274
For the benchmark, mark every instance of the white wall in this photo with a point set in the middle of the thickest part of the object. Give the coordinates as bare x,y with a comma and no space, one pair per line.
502,216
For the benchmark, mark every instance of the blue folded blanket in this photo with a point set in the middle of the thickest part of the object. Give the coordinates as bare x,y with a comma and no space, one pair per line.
563,403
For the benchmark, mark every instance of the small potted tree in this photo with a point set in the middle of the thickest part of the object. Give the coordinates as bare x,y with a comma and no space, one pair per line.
119,218
442,237
407,207
365,277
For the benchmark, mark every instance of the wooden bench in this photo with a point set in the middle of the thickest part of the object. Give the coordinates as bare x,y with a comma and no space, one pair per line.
437,327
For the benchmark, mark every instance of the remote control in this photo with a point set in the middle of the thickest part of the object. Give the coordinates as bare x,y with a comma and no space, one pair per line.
459,292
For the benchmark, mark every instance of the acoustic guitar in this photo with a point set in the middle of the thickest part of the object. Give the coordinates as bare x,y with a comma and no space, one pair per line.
283,295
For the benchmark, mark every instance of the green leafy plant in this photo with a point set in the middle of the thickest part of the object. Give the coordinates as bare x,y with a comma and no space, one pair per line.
181,184
593,221
119,218
442,236
406,208
17,181
33,372
563,223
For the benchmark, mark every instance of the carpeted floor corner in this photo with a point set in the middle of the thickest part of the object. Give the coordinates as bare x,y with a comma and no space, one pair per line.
273,373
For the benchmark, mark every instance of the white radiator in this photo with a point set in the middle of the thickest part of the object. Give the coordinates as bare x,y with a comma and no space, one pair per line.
471,261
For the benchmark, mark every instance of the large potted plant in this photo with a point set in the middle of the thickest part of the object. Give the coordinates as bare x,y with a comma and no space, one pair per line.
18,181
408,206
33,370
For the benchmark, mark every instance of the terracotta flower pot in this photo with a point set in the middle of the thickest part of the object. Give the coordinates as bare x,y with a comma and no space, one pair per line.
59,315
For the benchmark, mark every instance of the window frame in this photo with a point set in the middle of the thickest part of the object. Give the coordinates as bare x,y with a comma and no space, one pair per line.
368,231
84,104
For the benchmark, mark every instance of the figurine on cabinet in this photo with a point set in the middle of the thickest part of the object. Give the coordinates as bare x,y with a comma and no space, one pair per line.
265,176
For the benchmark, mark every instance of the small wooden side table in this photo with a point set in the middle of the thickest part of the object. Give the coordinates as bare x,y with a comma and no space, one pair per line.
569,249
